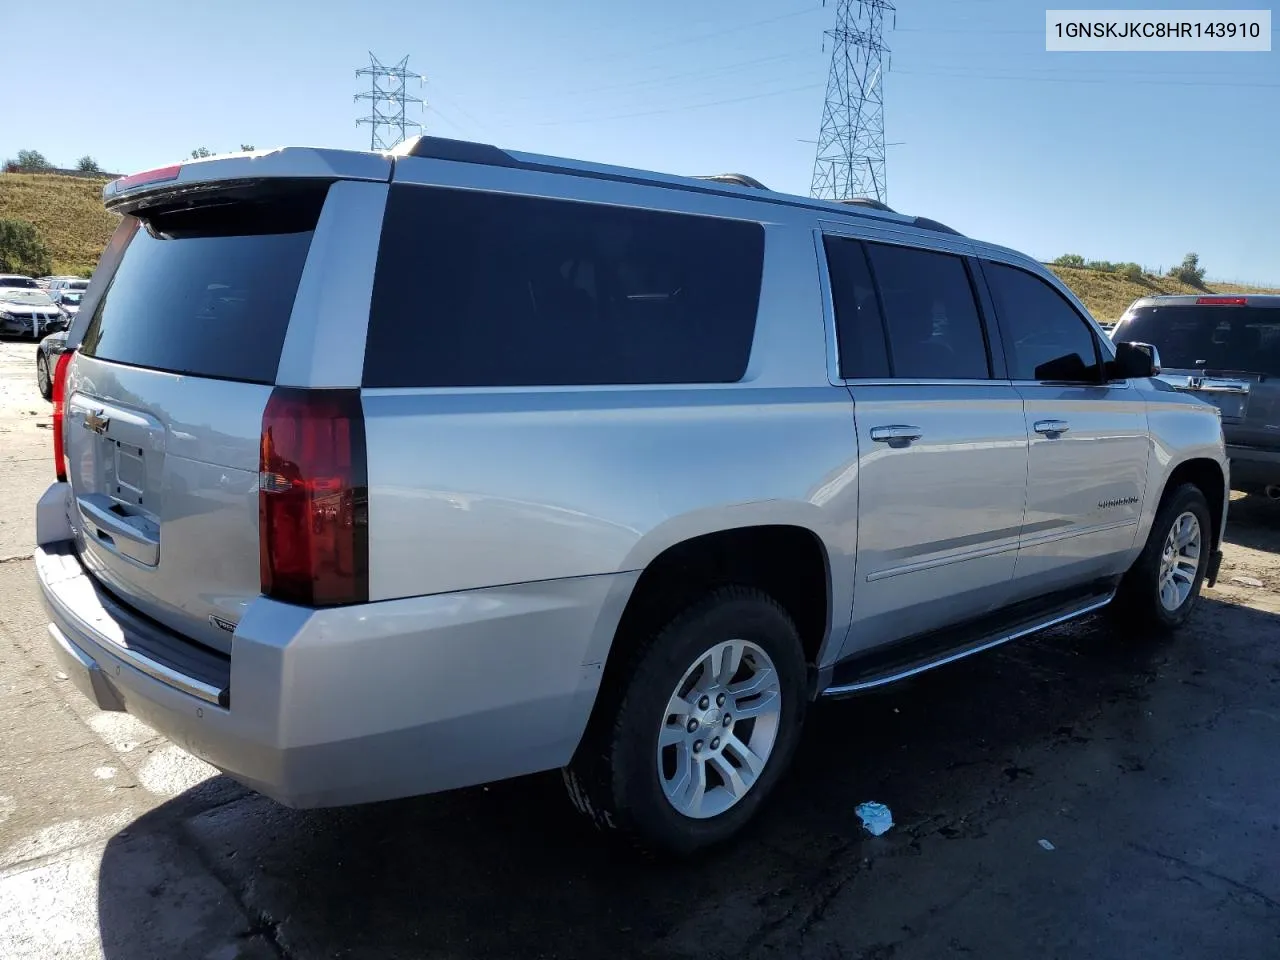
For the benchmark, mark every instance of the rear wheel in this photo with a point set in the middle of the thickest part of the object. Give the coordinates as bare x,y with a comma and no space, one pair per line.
43,380
1161,588
705,723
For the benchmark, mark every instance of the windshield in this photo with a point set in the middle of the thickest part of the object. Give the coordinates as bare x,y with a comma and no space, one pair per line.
1242,339
72,299
26,298
18,282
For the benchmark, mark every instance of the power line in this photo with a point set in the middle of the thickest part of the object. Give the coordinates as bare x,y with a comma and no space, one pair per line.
680,41
679,109
955,75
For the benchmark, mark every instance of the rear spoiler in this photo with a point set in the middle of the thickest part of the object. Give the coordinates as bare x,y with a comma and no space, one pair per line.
293,163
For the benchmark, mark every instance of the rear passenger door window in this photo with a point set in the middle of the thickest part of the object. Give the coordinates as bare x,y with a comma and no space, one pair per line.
859,327
478,289
1045,337
930,313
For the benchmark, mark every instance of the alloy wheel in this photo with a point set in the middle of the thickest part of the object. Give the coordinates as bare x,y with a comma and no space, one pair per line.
719,729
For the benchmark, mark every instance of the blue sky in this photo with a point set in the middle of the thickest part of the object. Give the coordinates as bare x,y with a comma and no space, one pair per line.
1118,156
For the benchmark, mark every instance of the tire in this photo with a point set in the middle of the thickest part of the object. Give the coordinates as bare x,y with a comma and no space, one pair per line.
1139,603
620,777
44,380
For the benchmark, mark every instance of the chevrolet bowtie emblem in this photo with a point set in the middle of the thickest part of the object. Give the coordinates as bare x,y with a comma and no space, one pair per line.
96,422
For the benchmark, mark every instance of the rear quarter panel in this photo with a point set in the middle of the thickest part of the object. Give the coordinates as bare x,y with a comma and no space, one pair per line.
479,487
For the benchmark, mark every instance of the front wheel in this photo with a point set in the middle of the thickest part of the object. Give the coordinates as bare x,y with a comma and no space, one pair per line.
705,723
1161,588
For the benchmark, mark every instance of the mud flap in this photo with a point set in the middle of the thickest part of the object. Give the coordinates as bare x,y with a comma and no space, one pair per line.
1215,562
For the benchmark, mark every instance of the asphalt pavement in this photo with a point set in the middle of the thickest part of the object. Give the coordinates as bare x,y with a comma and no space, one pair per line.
1081,794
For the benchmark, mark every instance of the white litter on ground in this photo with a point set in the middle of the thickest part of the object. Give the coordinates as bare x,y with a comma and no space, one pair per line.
1047,845
875,817
1247,581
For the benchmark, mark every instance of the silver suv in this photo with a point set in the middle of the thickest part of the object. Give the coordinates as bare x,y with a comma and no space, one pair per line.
645,466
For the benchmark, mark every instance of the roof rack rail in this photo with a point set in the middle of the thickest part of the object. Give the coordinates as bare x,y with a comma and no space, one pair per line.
738,179
868,202
463,151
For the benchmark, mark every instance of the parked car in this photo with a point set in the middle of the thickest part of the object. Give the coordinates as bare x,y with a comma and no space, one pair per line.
60,284
29,312
47,353
14,281
659,462
69,301
1226,351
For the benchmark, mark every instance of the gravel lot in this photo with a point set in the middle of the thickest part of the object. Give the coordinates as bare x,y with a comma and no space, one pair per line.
1148,767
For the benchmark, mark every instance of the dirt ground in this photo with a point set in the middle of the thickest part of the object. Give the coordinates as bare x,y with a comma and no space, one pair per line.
1081,794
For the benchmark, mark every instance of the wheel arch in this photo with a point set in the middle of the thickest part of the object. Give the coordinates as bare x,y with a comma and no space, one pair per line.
1210,477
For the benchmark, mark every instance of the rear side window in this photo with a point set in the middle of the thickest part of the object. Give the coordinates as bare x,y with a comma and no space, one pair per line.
931,314
478,290
1209,338
207,291
859,329
1045,338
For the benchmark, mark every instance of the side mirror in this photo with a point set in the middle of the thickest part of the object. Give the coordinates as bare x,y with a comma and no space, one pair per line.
1135,361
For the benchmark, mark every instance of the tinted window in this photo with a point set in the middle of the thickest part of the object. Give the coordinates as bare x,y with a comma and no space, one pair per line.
1241,339
519,291
208,291
859,330
19,282
934,330
1045,338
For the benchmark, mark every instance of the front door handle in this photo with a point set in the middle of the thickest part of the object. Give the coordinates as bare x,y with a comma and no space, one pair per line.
1052,428
897,434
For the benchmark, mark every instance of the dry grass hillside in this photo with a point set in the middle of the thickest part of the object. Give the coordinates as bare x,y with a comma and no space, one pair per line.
67,211
1108,294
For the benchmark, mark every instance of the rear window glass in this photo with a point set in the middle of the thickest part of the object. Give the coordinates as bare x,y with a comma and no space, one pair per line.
207,291
859,329
932,317
1213,339
521,291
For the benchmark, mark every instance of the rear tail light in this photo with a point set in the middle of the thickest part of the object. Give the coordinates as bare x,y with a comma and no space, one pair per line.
59,412
1222,301
313,498
159,175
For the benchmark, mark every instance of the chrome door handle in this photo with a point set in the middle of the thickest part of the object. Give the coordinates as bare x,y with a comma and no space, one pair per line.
1052,428
896,433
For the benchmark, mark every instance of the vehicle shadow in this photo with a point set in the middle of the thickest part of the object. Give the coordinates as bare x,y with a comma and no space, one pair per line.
1254,522
510,870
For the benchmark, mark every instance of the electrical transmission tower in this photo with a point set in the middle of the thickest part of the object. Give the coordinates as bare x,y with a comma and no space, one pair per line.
850,157
389,99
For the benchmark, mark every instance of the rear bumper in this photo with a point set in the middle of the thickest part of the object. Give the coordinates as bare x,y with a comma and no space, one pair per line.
357,704
1253,467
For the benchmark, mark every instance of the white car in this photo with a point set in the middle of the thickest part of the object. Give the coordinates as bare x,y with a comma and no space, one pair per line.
17,281
59,284
30,312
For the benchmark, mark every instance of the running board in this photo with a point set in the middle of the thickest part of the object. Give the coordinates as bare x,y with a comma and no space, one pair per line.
915,655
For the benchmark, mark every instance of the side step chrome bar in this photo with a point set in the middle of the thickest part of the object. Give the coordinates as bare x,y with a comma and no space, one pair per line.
901,672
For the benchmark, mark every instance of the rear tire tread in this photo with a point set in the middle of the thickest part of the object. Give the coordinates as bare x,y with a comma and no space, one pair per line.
590,778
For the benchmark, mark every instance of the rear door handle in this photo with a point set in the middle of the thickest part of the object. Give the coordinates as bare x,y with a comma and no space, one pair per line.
899,434
1052,428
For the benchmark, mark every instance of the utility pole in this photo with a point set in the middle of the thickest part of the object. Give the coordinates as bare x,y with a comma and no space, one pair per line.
389,99
850,159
